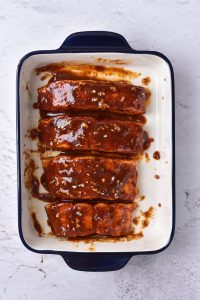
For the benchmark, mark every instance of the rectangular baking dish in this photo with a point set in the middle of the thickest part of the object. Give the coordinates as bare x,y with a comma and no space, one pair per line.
88,48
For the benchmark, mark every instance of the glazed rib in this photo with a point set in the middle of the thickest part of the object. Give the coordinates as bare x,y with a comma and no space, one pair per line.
86,133
68,95
82,219
88,177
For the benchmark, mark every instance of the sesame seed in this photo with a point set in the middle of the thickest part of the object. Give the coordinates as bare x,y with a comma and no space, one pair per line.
105,136
79,213
101,93
113,88
84,125
103,180
81,185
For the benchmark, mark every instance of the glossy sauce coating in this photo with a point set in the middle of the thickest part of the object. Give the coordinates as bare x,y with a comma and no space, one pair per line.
68,95
88,177
86,133
82,219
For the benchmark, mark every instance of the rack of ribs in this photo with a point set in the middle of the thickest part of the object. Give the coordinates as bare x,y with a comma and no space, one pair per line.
82,219
87,177
86,133
119,97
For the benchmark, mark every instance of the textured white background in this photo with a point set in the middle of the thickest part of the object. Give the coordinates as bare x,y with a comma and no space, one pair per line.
171,27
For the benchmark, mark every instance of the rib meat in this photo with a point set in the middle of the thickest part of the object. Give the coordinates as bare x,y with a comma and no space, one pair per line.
82,219
86,133
87,177
68,95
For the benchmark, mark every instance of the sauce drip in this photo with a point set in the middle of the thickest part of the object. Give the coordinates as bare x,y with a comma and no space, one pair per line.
111,61
156,155
33,133
147,141
147,216
147,157
146,80
36,194
36,224
136,220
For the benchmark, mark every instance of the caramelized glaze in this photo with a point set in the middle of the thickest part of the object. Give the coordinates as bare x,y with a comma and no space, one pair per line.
82,219
90,178
147,215
147,141
86,133
92,95
146,80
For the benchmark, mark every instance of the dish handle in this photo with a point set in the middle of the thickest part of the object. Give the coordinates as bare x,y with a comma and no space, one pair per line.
96,262
96,41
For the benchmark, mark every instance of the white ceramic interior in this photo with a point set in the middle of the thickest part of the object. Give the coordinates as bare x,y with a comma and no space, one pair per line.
159,126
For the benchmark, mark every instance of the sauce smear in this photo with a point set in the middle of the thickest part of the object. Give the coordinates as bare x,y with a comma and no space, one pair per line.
36,224
146,80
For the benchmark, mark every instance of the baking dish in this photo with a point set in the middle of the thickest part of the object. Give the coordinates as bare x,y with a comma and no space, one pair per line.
107,48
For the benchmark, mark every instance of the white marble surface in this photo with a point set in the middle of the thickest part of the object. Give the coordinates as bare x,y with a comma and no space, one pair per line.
171,27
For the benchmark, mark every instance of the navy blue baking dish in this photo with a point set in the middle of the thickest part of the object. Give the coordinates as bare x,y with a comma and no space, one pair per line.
86,47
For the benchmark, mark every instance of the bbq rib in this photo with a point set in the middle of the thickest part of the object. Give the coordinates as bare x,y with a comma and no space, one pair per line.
119,97
86,133
88,177
82,219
